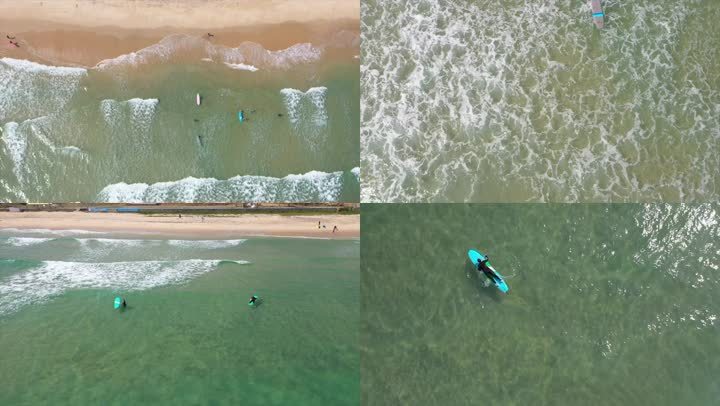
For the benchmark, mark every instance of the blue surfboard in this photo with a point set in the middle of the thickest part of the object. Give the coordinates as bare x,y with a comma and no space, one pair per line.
476,257
241,116
118,302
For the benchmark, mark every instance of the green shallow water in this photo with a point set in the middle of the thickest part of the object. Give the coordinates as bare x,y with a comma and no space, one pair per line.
82,135
608,305
191,343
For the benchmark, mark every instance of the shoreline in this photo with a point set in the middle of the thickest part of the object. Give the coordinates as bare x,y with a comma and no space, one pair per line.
59,45
58,33
188,226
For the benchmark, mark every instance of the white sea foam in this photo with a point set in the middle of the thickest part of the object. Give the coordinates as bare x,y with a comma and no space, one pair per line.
242,66
481,101
356,171
51,278
206,244
16,146
306,104
247,54
26,241
31,89
139,112
312,186
45,231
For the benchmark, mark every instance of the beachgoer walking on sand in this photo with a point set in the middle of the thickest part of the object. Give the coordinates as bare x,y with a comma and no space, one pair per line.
318,225
335,229
324,226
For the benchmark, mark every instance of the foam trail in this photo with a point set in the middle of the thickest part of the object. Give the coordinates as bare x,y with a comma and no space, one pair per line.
52,278
312,186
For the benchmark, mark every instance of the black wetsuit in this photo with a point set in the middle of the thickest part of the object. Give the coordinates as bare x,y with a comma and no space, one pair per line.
253,299
124,304
486,270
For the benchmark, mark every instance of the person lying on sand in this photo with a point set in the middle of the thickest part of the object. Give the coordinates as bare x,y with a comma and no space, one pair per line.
16,44
210,35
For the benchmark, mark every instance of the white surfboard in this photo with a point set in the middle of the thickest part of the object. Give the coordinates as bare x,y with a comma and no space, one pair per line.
197,99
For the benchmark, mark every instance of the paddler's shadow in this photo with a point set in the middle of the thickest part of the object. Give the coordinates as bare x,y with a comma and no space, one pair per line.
125,309
482,283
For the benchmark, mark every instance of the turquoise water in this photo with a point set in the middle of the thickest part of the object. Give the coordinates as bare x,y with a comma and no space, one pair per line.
608,305
188,335
527,101
129,128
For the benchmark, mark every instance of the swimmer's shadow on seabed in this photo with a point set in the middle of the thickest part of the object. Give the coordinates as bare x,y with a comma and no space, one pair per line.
483,284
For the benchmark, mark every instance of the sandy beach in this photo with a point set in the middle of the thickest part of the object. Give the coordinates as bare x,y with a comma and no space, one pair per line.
84,32
215,227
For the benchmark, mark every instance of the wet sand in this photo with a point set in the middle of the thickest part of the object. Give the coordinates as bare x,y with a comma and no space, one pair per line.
188,226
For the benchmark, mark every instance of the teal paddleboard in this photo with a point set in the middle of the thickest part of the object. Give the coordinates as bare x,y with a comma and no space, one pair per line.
476,257
118,302
241,116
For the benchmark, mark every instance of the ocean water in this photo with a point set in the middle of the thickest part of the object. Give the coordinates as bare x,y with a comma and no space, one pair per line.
129,128
609,304
187,334
515,101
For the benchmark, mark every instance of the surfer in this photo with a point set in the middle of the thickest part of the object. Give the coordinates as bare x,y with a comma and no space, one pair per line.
124,303
482,267
200,140
253,299
280,114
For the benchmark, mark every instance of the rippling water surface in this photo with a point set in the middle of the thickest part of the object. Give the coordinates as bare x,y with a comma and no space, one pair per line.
608,305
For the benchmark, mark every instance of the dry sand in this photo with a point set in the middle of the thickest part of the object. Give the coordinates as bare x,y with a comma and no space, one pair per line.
192,226
192,14
56,32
